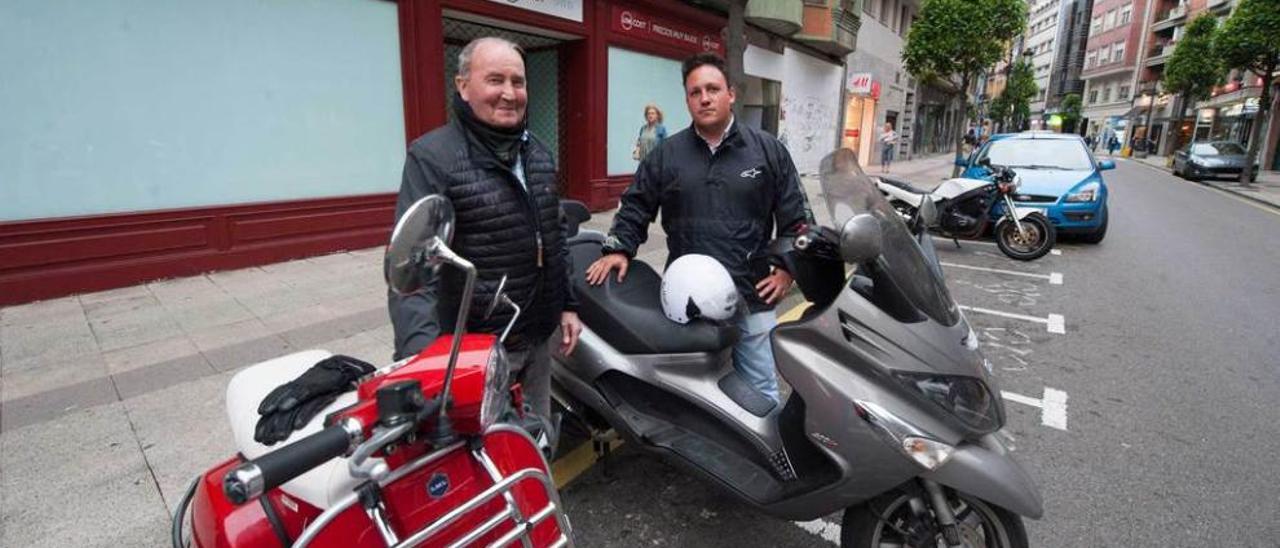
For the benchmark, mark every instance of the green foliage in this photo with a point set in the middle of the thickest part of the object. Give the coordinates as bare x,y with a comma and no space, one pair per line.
1250,39
1000,110
1193,69
1072,111
954,40
1017,94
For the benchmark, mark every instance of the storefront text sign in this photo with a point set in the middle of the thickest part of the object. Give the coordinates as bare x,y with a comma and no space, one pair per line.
564,9
642,25
860,83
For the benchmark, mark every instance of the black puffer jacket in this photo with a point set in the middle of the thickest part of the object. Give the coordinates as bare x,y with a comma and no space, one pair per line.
725,205
500,227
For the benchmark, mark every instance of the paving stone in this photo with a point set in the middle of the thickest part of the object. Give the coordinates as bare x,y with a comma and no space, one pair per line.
212,313
145,303
248,352
131,292
79,480
160,376
126,359
165,431
42,311
49,405
26,347
288,320
51,374
125,331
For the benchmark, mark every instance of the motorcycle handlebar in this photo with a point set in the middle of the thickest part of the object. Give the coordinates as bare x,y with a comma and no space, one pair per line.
255,477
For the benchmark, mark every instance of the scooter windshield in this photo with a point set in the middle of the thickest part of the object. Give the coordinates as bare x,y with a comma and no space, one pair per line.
848,191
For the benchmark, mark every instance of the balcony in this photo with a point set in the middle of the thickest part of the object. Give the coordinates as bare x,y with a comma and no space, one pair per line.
832,28
1157,55
1170,18
1221,6
783,17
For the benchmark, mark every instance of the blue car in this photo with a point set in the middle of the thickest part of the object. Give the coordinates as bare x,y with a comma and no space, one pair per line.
1059,176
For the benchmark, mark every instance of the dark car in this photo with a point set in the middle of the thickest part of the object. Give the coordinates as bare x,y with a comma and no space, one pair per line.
1212,159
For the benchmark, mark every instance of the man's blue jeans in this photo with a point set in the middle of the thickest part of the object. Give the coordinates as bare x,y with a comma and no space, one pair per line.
753,355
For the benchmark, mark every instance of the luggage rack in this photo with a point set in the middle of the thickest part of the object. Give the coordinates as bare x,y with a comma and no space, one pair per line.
502,487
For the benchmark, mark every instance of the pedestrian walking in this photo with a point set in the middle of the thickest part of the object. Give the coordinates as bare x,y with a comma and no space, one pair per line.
888,137
722,188
1113,144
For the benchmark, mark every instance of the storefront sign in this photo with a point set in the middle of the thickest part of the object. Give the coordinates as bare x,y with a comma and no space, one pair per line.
642,25
1247,108
1205,115
564,9
860,82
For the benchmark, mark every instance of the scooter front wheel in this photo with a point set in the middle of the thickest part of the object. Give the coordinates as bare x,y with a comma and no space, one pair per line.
1034,240
888,520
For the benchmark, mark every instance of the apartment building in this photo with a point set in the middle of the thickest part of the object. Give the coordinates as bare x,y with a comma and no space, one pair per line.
1110,70
1047,26
879,88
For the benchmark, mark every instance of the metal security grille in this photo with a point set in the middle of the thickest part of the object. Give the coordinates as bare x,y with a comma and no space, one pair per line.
542,68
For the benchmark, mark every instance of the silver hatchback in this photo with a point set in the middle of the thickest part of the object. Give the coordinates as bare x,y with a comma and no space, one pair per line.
1211,159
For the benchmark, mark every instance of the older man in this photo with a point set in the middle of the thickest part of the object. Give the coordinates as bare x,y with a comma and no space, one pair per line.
722,187
501,182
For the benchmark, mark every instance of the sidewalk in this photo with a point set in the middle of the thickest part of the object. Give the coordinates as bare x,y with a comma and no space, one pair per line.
1266,190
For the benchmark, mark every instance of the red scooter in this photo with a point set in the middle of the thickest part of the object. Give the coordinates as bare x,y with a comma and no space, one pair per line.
388,464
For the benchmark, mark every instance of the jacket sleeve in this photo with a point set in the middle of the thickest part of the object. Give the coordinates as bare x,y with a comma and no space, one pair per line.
570,298
639,206
791,205
414,318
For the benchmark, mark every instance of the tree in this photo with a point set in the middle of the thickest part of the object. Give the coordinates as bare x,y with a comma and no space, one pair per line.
1250,41
1071,112
1193,69
1000,111
953,41
1019,92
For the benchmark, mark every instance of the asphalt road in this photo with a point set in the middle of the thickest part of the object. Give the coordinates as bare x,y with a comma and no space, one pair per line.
1168,362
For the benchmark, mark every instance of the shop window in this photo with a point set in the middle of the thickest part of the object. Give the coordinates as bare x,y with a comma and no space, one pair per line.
155,108
635,80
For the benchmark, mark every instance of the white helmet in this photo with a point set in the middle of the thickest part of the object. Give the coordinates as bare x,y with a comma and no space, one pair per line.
697,286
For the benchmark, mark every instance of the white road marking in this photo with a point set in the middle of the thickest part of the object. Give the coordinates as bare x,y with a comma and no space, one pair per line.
823,529
941,240
1055,278
1055,323
1053,407
1055,251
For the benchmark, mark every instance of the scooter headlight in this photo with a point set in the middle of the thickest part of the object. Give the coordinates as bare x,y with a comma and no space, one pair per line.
497,373
966,398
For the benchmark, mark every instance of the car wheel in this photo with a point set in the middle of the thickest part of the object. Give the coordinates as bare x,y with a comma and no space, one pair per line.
1101,232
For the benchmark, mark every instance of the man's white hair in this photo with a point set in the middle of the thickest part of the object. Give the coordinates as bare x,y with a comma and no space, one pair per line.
464,56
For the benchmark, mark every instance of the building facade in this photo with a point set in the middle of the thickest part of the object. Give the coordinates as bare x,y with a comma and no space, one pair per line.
1110,68
166,140
1047,31
879,90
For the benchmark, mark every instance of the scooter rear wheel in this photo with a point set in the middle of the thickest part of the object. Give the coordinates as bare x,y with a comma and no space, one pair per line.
1035,241
981,524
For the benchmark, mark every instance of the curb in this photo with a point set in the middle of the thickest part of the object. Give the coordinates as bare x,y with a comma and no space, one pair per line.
1231,191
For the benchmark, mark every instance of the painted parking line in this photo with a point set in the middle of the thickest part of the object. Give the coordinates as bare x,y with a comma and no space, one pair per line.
1055,278
1055,323
941,240
1053,406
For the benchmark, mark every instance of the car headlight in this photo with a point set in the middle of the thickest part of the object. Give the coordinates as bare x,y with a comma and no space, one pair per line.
496,393
1087,193
966,398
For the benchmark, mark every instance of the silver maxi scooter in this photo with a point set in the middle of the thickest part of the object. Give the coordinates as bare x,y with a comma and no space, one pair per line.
892,415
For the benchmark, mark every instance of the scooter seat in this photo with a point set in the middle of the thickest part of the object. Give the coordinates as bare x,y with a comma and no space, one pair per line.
322,485
902,184
629,315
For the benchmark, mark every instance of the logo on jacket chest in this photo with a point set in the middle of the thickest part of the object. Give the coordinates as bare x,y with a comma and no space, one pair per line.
750,173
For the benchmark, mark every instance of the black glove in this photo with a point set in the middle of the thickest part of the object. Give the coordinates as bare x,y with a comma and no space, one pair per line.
293,404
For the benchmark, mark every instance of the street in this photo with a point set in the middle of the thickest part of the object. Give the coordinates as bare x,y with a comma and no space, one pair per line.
1149,421
1139,376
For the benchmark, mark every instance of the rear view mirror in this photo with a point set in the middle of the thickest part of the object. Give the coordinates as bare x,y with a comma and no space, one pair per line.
1106,164
420,240
860,238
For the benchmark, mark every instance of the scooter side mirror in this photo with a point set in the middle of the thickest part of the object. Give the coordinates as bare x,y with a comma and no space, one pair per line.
860,238
420,240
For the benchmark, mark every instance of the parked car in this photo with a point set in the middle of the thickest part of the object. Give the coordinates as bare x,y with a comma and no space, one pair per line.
1059,175
1212,159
